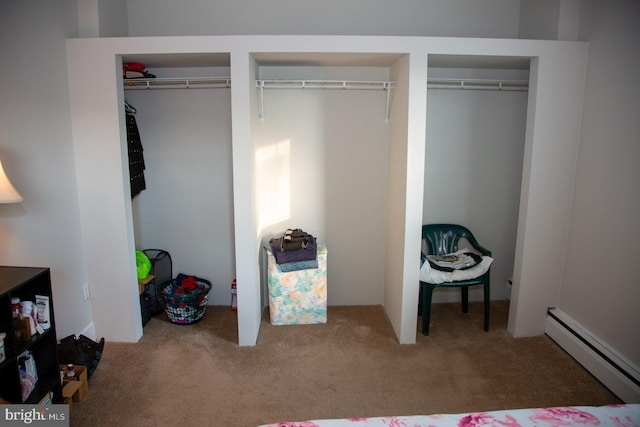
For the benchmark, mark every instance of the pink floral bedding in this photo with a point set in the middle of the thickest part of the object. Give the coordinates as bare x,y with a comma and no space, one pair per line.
585,416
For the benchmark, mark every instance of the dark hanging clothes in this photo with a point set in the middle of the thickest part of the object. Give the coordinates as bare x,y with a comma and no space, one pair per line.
136,158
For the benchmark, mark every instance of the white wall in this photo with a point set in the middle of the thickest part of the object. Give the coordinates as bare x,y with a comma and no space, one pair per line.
37,153
245,123
102,18
404,210
113,18
600,289
549,19
549,169
460,18
473,167
539,19
187,208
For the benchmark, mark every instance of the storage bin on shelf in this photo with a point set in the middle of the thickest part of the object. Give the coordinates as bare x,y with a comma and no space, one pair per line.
297,297
184,308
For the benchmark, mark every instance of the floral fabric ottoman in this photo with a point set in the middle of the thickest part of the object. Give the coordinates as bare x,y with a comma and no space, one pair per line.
298,297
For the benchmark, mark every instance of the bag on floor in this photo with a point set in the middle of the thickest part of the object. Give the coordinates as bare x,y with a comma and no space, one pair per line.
80,351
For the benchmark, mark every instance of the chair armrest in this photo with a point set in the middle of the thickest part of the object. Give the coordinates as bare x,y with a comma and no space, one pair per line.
477,246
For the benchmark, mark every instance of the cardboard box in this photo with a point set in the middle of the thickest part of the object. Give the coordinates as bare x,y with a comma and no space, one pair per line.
143,283
47,399
69,390
80,377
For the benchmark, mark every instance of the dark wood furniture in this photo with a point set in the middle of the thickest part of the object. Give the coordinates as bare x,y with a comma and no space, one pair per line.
25,283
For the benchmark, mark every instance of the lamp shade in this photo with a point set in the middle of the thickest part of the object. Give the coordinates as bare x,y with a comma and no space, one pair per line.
8,194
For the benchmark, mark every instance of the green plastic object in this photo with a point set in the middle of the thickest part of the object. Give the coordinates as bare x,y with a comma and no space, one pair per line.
143,264
443,239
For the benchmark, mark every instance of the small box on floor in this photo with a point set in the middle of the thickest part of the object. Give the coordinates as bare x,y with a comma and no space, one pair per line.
80,376
69,390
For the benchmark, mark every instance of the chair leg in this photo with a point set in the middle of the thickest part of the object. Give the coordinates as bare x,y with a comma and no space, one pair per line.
487,305
464,290
426,308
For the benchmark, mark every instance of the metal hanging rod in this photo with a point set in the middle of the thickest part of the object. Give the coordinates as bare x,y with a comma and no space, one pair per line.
478,84
322,84
177,83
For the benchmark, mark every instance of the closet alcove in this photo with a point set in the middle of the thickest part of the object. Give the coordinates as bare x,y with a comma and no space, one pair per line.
184,120
322,161
475,138
550,152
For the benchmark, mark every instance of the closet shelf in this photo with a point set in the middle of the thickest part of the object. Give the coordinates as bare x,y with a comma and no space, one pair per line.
322,84
177,83
478,84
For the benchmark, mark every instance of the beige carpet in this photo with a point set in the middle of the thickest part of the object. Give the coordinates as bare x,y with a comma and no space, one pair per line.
352,366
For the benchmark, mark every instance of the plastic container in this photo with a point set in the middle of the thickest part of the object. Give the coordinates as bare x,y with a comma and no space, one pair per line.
27,311
71,372
16,308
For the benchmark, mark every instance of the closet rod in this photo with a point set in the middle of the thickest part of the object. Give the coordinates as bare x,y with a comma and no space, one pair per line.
322,84
177,83
478,84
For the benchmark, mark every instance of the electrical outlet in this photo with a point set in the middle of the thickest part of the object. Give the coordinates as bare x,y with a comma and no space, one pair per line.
85,291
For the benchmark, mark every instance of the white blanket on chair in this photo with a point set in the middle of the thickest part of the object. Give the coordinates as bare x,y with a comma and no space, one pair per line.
431,275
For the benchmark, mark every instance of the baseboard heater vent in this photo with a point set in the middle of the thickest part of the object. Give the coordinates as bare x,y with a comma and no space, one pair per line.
602,361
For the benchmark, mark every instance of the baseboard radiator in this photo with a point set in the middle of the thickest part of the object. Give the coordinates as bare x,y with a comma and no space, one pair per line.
603,362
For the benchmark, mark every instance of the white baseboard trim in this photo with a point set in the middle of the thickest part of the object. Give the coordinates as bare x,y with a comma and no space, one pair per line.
603,362
89,331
